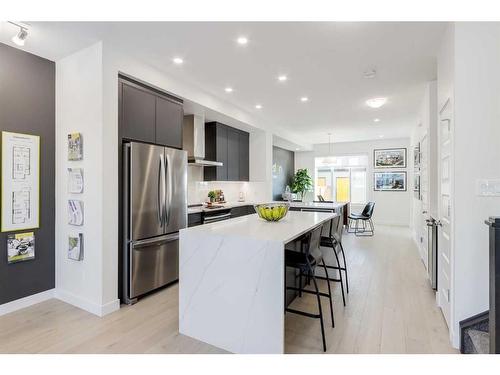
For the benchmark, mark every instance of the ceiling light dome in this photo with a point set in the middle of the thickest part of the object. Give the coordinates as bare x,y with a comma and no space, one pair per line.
242,40
376,102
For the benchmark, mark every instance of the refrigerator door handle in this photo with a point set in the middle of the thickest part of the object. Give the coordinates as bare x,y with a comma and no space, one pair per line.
168,197
157,241
161,191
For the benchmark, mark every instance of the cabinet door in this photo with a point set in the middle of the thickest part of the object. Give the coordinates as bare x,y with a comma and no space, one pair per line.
233,155
244,159
138,114
169,117
221,151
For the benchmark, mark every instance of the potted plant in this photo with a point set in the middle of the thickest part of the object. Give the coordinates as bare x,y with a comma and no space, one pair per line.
302,182
211,195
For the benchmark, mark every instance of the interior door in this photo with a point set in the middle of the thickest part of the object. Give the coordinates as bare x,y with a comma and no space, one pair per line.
445,210
146,190
176,190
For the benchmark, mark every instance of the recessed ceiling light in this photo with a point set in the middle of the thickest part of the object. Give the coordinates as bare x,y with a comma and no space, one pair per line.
242,40
370,73
304,99
258,106
381,136
228,89
376,120
282,78
177,60
297,149
376,102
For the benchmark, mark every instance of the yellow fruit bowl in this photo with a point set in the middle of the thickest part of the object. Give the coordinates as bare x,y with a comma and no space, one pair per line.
272,211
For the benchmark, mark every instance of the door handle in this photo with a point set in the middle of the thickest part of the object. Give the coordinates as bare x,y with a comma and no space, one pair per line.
159,201
168,195
157,241
161,182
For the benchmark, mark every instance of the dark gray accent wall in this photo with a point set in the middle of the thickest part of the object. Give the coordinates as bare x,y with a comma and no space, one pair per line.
27,105
283,170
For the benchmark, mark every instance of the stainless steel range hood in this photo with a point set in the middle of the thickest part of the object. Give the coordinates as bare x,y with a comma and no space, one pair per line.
194,142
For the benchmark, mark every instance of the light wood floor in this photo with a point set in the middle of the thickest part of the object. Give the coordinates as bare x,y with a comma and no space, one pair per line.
390,309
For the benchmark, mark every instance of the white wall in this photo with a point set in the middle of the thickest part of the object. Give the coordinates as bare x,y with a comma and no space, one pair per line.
392,208
79,108
476,153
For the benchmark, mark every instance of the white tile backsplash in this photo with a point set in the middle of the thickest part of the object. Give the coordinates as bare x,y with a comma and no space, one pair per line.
198,189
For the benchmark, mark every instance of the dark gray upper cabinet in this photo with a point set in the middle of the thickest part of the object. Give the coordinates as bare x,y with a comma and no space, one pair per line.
229,146
169,115
215,149
244,152
149,115
233,154
138,113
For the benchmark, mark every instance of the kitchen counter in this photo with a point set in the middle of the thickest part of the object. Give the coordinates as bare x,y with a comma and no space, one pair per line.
227,205
231,280
304,205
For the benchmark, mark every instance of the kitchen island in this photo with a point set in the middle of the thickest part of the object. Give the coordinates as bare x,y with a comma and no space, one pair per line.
231,280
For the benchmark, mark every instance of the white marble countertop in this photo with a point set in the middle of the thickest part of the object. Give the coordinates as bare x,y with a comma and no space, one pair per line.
293,225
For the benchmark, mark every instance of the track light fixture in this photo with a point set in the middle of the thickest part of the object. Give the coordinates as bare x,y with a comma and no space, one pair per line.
22,35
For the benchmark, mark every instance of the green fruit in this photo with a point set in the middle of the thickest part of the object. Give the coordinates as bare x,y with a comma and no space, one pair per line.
276,213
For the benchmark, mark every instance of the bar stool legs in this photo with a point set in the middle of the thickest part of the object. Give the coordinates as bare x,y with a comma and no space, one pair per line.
310,273
338,267
345,267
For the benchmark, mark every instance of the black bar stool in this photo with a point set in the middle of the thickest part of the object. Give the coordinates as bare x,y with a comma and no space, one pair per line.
333,239
306,262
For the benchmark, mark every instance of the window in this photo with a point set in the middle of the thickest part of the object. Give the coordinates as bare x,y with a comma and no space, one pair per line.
342,178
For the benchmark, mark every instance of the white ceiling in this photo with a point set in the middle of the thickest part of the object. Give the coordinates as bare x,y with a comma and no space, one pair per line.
324,61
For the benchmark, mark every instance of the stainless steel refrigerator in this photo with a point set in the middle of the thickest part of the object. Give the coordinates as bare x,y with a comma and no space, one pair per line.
155,209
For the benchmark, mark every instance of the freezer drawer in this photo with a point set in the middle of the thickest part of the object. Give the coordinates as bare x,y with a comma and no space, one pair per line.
153,263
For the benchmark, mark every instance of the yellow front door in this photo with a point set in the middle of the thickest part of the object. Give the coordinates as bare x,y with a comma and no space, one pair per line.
342,185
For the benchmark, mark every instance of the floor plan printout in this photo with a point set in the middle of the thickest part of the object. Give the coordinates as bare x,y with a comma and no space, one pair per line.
20,181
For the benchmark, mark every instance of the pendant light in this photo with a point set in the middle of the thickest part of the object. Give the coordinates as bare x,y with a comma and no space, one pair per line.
329,159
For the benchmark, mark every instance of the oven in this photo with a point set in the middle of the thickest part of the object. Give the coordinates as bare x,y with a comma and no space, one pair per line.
214,216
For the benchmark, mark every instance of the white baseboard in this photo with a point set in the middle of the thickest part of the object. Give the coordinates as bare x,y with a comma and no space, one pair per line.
91,307
22,303
110,307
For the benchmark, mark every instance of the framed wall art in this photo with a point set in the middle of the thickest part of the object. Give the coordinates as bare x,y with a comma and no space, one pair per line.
75,147
389,181
20,181
389,158
75,247
20,247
